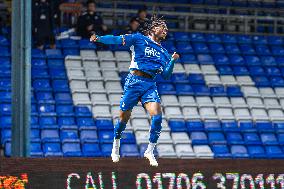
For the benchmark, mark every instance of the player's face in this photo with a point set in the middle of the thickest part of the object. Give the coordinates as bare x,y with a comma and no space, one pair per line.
161,32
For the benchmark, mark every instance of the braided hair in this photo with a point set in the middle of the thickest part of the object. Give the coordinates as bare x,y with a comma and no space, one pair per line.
149,24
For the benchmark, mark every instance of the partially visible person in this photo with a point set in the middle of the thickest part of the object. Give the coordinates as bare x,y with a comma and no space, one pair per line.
90,22
42,24
55,12
142,15
132,27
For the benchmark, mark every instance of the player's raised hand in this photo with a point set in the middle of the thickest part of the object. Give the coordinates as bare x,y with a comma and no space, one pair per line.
175,56
94,38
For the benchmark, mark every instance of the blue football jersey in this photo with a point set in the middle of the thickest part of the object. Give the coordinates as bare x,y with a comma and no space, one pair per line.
147,55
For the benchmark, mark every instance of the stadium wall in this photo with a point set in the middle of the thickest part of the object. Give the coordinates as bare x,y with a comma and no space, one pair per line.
131,173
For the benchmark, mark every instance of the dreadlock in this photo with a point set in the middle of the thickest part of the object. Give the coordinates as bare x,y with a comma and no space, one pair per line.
152,23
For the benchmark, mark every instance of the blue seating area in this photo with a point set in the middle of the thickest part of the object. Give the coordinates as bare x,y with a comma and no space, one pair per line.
225,97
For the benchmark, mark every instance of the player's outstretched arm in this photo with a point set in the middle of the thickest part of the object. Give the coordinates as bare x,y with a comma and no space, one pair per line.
168,70
108,39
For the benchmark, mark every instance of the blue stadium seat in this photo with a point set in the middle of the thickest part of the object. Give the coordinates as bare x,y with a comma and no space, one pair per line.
69,136
216,48
86,123
128,138
6,135
236,60
5,62
46,110
279,127
53,53
48,122
177,126
252,60
268,139
56,63
239,151
274,152
221,151
73,52
184,47
104,124
262,50
63,98
268,61
166,88
261,81
188,59
272,71
71,149
225,70
244,39
57,73
181,36
67,123
5,72
35,135
129,150
200,48
5,96
213,126
91,150
37,53
44,97
5,109
280,137
218,90
252,139
196,79
230,126
5,52
5,84
179,78
39,63
216,138
52,149
35,149
41,85
60,86
277,50
256,71
106,149
8,149
69,44
82,111
201,90
274,40
247,126
198,138
34,122
65,110
184,89
89,136
234,91
227,38
259,40
221,59
232,49
170,46
234,138
213,38
50,135
256,151
194,125
205,59
6,122
196,37
106,136
277,81
264,127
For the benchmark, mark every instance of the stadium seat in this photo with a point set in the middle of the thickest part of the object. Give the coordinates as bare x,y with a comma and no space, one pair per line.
221,151
91,150
239,151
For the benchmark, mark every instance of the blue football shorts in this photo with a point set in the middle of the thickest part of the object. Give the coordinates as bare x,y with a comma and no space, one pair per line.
138,88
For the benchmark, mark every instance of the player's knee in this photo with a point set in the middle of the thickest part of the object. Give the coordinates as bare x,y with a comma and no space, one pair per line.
156,123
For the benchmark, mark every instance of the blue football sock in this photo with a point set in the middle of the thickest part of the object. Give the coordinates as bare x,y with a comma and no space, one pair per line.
156,127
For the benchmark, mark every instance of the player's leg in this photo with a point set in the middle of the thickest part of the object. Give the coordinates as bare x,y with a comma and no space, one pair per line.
118,129
128,101
151,102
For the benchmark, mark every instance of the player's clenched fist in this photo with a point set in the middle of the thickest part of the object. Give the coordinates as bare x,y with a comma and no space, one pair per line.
94,38
175,56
